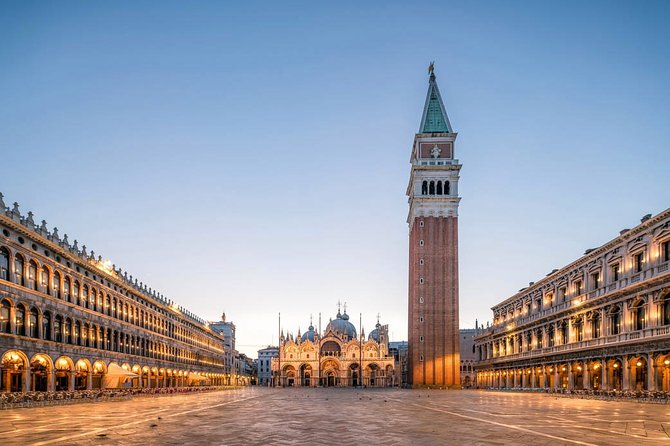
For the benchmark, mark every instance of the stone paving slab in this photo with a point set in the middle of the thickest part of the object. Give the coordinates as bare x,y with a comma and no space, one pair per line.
297,416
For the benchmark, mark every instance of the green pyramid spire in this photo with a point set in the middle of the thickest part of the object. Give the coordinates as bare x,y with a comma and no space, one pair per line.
434,119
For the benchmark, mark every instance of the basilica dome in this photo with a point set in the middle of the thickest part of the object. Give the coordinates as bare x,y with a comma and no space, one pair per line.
342,326
374,334
310,334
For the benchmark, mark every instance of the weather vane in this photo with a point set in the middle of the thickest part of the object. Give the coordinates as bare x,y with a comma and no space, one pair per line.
431,67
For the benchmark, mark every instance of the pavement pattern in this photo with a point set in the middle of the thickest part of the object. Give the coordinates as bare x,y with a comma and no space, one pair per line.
302,416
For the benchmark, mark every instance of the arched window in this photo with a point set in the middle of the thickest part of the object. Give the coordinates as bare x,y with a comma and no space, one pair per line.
5,326
76,335
18,270
551,335
564,333
595,326
424,188
439,188
330,348
94,336
76,297
115,341
665,310
46,326
4,264
66,289
32,323
84,296
578,326
446,188
108,339
615,321
108,305
639,316
20,320
58,329
431,188
44,280
67,331
84,335
32,275
57,286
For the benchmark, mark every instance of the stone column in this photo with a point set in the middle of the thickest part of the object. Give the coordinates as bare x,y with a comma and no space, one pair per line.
51,383
651,373
12,319
586,377
626,373
89,380
604,376
557,384
26,379
40,330
70,380
6,380
571,377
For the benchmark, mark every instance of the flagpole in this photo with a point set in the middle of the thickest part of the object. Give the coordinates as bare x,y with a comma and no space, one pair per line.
360,343
319,350
279,352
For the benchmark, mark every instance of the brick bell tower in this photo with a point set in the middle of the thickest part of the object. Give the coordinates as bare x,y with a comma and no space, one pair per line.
434,348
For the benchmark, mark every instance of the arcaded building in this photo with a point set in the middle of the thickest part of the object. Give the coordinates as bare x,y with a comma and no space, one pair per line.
336,358
433,358
69,320
601,322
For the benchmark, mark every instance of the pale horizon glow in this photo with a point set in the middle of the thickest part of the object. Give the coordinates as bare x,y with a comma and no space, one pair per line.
254,158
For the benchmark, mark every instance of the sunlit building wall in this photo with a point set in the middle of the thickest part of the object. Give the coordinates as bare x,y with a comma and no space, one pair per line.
601,322
69,320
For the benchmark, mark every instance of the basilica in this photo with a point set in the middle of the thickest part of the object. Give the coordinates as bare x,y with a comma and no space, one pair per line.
338,357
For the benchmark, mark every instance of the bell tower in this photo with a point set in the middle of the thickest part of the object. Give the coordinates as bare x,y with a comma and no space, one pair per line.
434,348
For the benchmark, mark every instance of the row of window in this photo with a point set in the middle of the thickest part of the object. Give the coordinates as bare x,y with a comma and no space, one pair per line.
552,299
30,322
25,273
435,188
560,334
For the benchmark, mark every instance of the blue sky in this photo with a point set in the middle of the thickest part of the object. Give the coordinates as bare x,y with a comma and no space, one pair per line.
254,158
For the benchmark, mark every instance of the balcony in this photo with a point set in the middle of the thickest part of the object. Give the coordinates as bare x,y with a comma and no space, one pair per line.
647,334
576,301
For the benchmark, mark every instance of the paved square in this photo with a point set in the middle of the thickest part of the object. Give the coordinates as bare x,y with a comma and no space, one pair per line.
259,416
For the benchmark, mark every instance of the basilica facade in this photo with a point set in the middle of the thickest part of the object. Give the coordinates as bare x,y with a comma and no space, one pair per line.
338,357
600,323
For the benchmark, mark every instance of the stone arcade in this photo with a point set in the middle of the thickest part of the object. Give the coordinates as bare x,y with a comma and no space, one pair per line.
601,323
70,321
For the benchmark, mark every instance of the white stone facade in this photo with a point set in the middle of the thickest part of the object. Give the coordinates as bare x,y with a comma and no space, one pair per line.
71,321
601,322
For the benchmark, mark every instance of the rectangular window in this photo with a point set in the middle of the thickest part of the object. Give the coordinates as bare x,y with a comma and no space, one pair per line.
638,260
578,287
595,280
665,248
562,291
615,272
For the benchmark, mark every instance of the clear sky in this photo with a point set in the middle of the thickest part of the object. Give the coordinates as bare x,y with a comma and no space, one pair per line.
252,157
